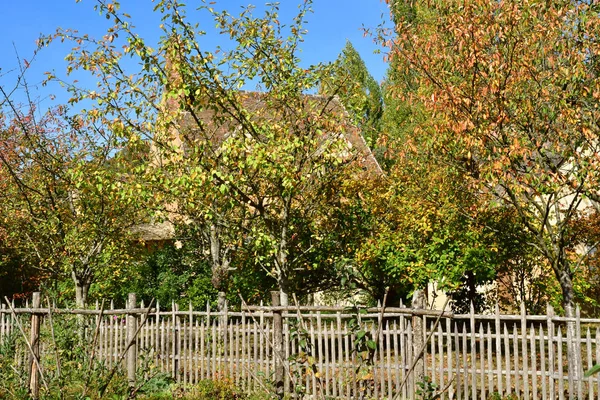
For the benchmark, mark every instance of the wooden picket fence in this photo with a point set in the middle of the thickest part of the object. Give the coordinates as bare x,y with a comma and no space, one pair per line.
323,352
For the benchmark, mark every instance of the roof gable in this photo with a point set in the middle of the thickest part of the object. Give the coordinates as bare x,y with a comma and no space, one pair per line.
214,124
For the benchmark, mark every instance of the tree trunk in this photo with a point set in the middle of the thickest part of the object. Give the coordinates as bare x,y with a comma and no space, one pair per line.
282,262
82,287
563,273
566,285
220,262
284,289
472,290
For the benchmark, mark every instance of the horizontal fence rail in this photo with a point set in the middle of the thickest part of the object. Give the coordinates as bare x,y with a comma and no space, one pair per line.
332,352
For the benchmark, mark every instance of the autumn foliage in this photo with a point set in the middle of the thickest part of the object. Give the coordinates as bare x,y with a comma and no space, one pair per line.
511,89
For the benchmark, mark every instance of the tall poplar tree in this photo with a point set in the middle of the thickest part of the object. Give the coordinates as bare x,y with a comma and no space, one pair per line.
358,91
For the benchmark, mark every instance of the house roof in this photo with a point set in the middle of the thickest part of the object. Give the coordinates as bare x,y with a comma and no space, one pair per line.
154,232
217,126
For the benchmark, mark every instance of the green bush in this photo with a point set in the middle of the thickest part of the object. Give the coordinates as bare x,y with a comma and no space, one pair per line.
12,383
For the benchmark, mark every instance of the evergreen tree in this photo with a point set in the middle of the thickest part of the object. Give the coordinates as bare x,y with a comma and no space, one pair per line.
359,92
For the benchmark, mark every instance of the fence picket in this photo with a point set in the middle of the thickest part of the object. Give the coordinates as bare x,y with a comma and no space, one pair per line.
348,370
432,355
525,368
534,378
498,340
104,338
237,337
457,352
410,389
229,357
516,355
314,349
379,350
403,355
261,349
333,362
243,360
341,375
490,365
543,363
507,360
268,345
450,357
578,373
183,364
588,348
142,338
388,348
441,355
551,361
248,334
190,340
319,350
325,342
473,360
466,373
197,353
214,362
482,360
115,336
172,343
559,346
598,356
3,324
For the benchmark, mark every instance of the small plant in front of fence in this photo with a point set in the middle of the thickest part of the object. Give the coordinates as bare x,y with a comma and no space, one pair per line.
498,396
153,381
217,388
364,346
13,384
302,362
428,390
69,368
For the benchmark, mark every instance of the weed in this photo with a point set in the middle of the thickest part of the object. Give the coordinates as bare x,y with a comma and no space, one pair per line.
427,389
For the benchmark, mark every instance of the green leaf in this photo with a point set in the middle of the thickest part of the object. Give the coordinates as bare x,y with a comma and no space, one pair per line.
594,370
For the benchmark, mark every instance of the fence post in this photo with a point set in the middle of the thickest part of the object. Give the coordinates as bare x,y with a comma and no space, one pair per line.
34,376
277,344
418,332
132,341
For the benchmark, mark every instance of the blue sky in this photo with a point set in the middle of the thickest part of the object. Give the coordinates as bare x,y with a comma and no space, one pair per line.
332,23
